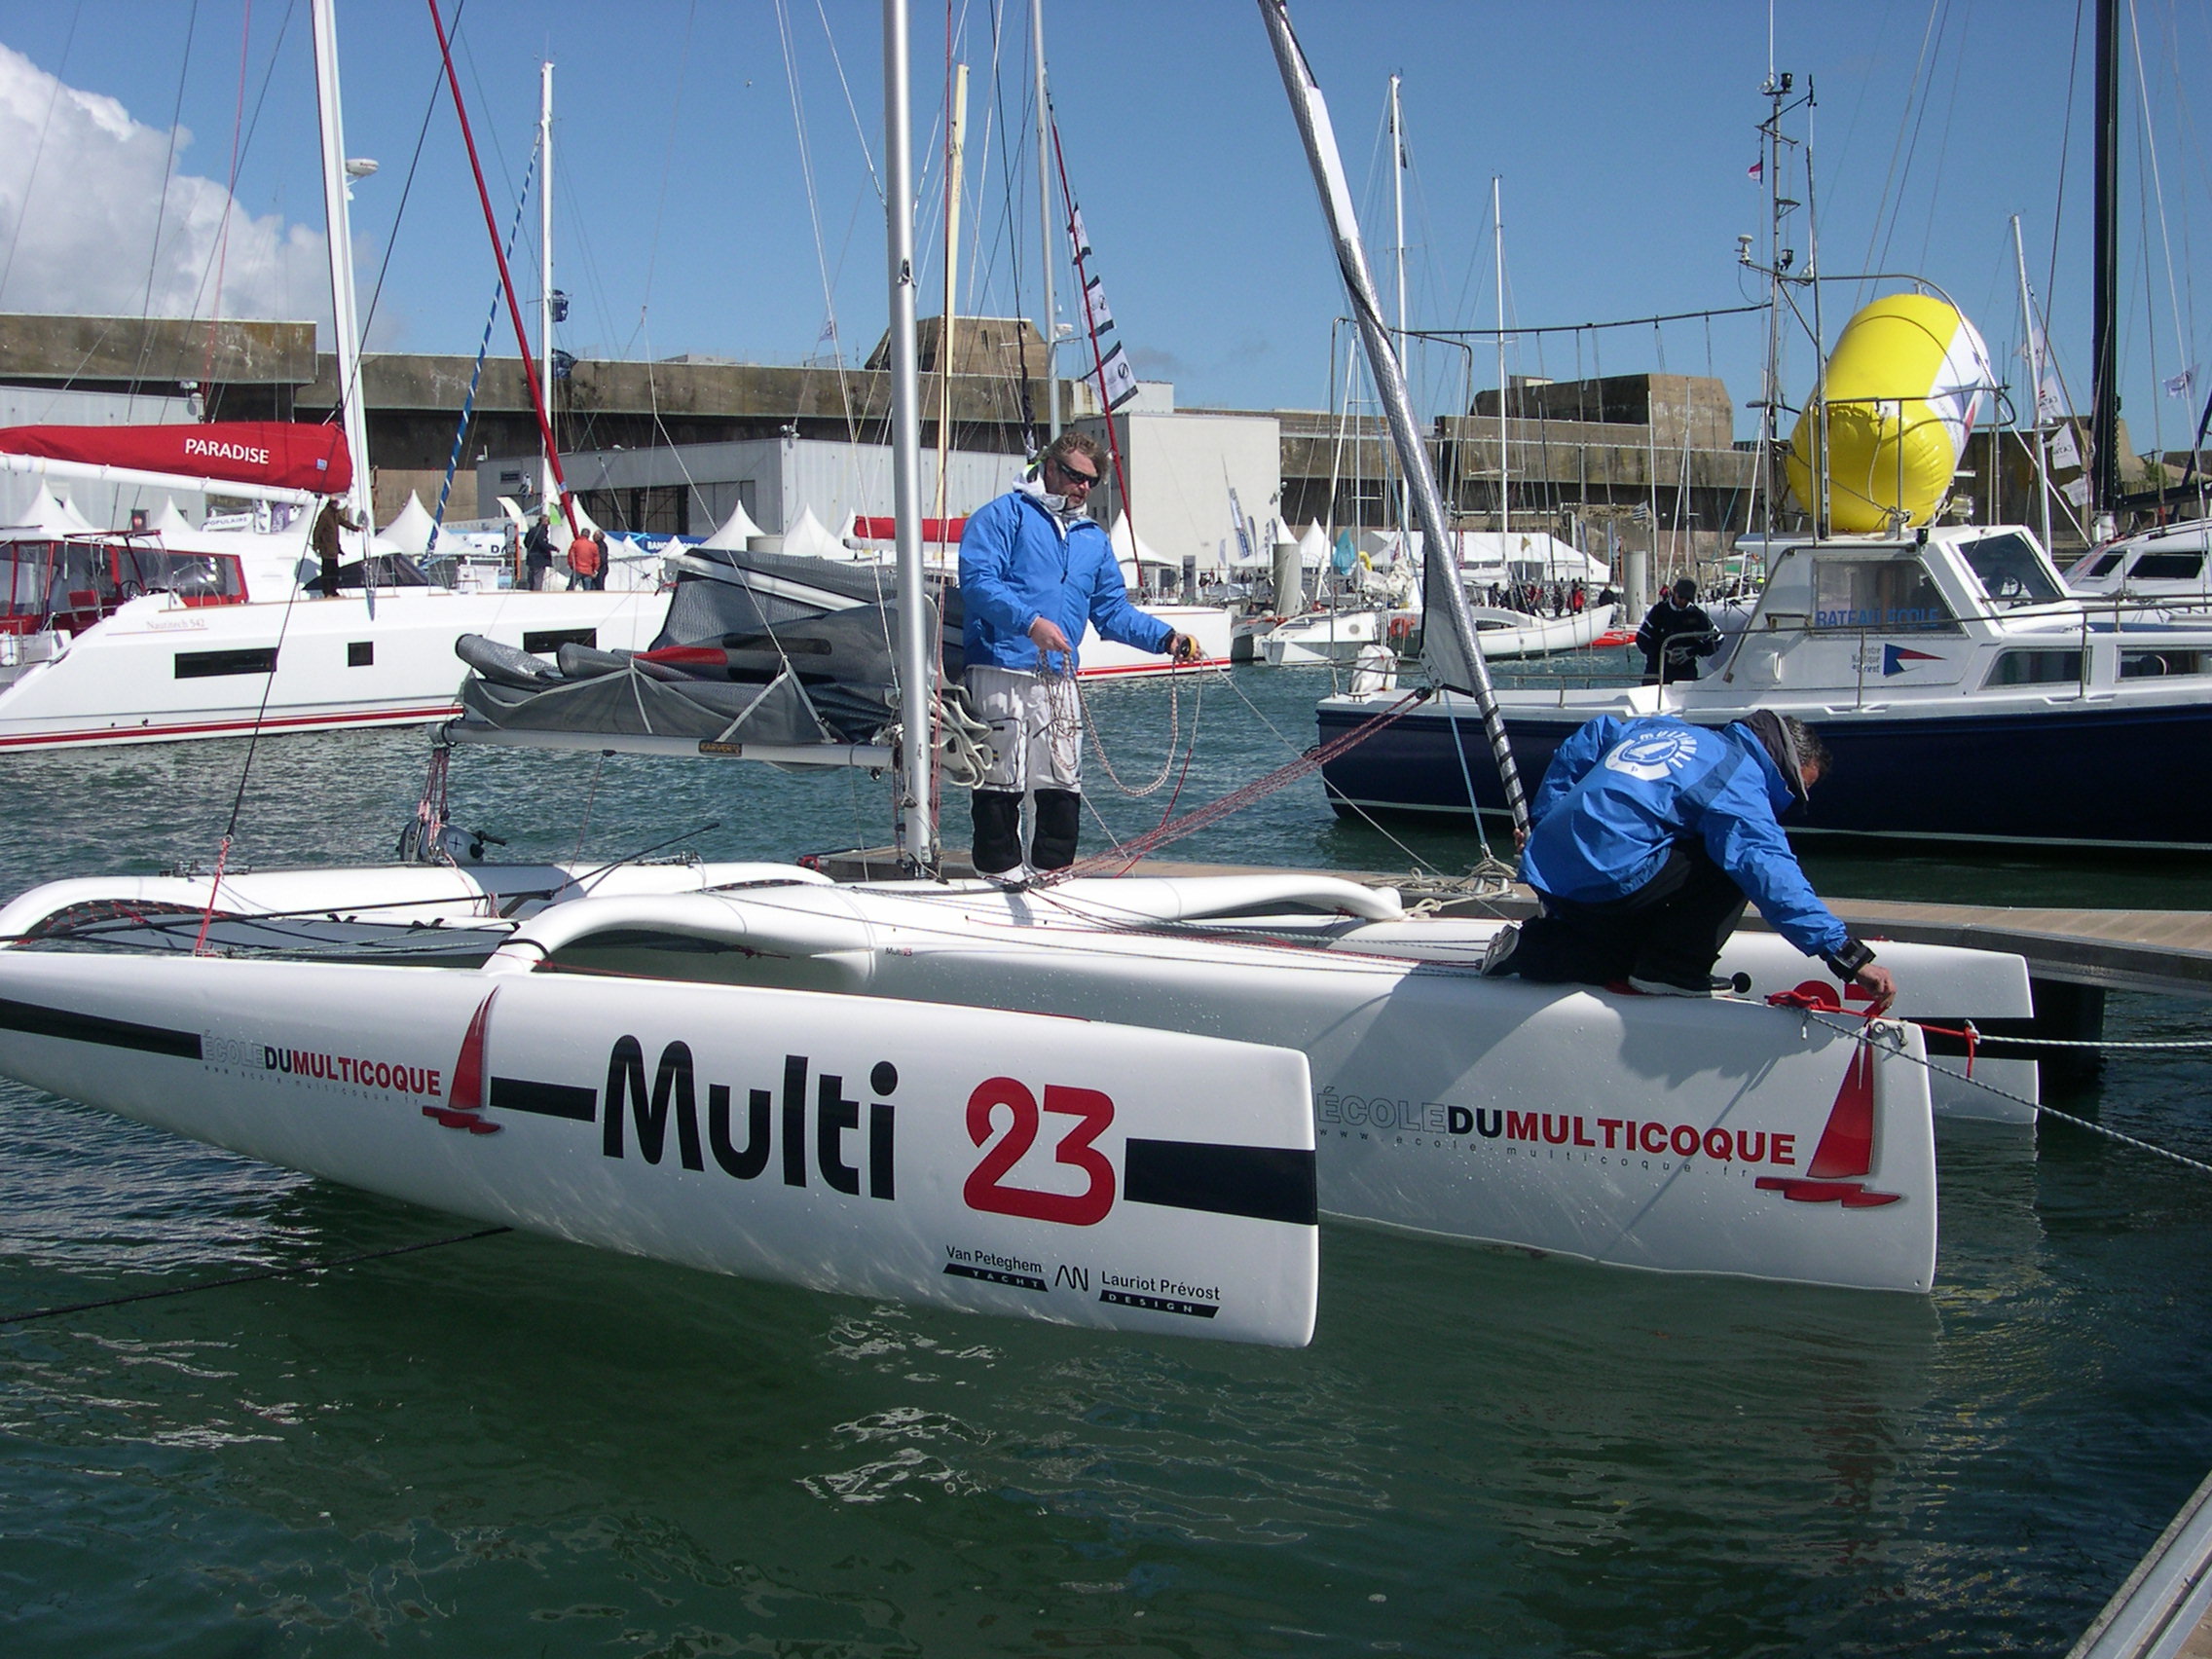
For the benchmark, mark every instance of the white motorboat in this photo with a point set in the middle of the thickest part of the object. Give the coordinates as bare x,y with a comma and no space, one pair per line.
1950,673
1335,636
2167,566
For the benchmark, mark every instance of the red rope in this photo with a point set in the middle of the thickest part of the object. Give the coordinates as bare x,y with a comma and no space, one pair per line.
1823,1001
222,857
1313,759
506,279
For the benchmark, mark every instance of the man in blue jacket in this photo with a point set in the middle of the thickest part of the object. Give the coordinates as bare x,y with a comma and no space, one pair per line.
1647,840
1034,571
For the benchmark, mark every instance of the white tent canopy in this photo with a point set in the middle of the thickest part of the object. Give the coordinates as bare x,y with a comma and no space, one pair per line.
169,522
1132,552
735,532
1498,556
810,539
410,528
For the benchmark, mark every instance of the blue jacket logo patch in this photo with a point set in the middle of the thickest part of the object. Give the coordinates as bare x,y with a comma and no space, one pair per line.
1652,758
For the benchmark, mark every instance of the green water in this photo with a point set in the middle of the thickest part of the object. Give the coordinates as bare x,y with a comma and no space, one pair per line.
517,1446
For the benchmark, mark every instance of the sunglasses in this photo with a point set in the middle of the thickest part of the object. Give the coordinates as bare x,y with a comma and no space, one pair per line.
1086,479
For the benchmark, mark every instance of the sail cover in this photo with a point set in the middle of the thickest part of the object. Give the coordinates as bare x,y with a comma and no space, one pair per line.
757,648
282,455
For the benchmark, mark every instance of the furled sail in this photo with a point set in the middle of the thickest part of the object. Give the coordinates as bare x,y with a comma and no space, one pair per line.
276,455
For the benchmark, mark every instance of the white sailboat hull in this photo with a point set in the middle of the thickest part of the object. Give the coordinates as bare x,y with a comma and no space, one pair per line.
158,671
984,1160
1721,1136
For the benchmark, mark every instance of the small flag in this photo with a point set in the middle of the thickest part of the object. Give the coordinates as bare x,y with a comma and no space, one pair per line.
1079,239
2178,384
1120,380
1757,170
2050,401
2064,450
2077,492
1095,311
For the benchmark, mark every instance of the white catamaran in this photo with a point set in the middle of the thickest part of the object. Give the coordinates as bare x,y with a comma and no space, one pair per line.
1117,1102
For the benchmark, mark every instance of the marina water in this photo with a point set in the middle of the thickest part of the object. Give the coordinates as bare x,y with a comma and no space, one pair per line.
511,1446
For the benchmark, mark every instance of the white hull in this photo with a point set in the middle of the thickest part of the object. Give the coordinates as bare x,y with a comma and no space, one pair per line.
1723,1137
141,675
1165,1186
1208,624
1337,637
1505,634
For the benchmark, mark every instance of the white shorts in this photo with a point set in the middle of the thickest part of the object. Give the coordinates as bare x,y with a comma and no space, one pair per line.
1036,729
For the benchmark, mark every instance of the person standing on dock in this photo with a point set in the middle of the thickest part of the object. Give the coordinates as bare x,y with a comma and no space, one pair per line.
1675,632
1647,839
1035,569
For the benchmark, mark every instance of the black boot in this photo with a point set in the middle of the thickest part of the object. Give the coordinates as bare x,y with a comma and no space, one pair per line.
998,831
1051,838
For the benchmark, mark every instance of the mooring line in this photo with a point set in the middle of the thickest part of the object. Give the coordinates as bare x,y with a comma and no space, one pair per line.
1859,1031
251,1279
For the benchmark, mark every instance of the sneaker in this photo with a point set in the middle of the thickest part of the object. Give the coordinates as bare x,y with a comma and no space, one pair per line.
1669,987
1714,982
1497,959
1013,880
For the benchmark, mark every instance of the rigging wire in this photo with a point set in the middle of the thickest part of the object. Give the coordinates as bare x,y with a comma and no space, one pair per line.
38,150
161,211
230,198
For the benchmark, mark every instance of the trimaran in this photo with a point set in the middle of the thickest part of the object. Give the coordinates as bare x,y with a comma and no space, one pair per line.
1110,1102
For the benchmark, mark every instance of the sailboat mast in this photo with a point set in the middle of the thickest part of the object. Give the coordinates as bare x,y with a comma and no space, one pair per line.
2104,345
1045,221
955,186
1398,215
1454,659
545,484
917,834
338,228
1504,462
2034,342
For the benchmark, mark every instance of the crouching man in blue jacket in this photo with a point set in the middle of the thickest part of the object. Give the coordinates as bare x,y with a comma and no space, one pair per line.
1034,571
1647,838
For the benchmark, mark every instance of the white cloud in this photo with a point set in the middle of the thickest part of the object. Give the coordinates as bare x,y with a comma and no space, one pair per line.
83,193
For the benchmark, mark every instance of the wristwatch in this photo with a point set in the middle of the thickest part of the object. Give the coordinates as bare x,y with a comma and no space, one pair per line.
1846,963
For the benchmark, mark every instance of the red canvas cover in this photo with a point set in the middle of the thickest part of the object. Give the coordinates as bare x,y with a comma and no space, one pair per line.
287,454
887,529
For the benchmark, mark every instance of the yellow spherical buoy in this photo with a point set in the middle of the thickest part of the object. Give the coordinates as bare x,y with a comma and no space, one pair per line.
1902,387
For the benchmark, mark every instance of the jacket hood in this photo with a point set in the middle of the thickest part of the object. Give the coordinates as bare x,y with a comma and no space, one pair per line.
1774,738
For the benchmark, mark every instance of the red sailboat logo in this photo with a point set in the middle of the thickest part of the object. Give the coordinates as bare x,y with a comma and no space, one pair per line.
464,1100
1846,1150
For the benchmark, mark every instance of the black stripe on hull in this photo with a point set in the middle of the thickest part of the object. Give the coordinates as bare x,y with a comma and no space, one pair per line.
544,1099
72,1027
1268,1183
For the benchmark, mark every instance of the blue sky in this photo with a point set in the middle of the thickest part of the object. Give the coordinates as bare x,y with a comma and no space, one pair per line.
1622,134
